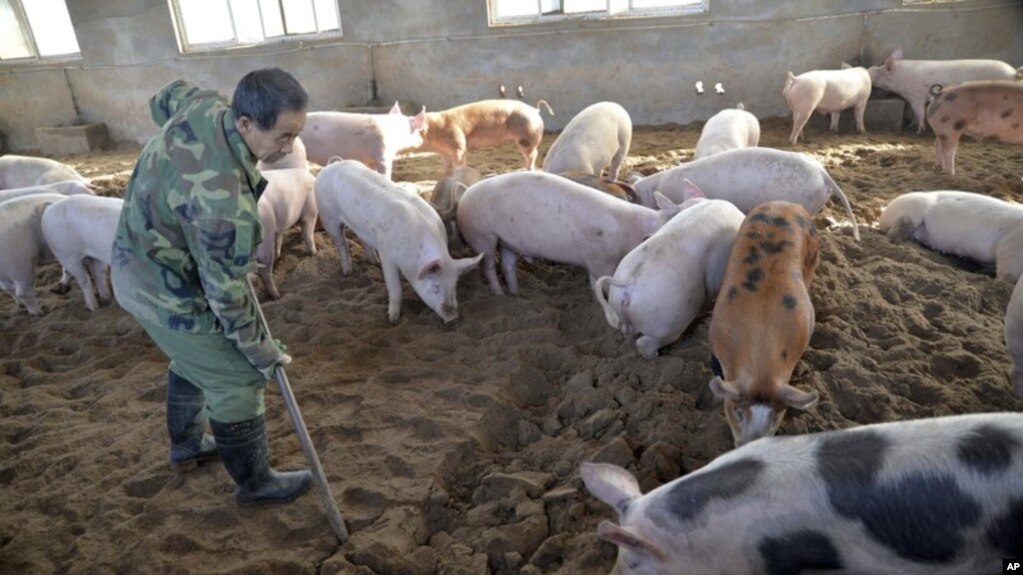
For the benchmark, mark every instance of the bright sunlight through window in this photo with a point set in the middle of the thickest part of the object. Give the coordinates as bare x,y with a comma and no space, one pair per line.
36,29
210,24
532,11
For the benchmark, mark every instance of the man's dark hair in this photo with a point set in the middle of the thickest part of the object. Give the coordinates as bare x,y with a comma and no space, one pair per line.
263,94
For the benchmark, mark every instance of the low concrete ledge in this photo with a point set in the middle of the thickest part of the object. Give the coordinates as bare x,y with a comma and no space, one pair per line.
881,115
67,140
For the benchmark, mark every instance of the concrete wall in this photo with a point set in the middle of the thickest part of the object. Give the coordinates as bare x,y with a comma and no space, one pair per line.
442,53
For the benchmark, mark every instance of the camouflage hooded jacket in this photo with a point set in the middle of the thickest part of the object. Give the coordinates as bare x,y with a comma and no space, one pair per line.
189,227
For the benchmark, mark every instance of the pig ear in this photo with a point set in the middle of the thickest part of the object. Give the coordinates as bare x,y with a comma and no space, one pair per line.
610,484
395,109
724,389
846,66
430,268
624,537
629,191
691,190
465,264
418,122
663,203
797,399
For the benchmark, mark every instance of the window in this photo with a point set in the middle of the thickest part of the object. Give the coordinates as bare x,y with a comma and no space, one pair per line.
36,29
211,24
511,12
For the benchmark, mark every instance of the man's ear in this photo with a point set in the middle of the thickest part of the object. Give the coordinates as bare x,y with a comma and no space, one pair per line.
243,124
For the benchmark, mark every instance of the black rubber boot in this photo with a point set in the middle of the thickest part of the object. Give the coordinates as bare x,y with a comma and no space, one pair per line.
243,447
186,421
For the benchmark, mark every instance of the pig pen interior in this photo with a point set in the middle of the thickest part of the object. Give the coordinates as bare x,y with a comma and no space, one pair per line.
455,449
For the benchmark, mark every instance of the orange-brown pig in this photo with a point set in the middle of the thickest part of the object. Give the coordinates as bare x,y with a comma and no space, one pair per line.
763,319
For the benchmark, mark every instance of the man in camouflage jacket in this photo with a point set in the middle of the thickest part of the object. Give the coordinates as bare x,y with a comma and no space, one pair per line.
185,244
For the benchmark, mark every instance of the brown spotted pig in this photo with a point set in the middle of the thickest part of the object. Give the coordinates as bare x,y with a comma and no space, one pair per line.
988,109
763,319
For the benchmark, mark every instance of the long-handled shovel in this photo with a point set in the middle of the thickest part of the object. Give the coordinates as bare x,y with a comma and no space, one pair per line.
337,524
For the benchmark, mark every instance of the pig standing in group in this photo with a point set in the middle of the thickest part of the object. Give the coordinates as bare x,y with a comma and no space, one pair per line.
748,177
79,230
28,171
912,79
373,139
287,200
24,246
938,496
541,215
1014,336
445,197
484,124
401,226
66,188
984,229
661,286
827,92
988,110
763,319
596,138
729,129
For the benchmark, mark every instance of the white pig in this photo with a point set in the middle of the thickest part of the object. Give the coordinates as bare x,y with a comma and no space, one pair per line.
748,177
827,92
21,236
401,226
66,188
1014,336
296,158
27,171
287,200
484,124
661,286
728,130
984,229
373,139
938,496
912,79
541,215
991,109
596,138
79,230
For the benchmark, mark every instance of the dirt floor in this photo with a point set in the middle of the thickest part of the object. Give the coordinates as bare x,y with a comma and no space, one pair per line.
455,449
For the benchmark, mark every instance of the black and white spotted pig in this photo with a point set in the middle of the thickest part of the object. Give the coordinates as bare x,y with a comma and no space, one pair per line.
930,497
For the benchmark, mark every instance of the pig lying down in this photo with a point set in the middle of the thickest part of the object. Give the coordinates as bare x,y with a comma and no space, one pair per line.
827,92
79,230
596,138
484,124
984,229
661,286
401,226
912,79
763,319
541,215
1014,336
982,110
728,130
939,496
287,200
26,171
748,177
24,246
373,139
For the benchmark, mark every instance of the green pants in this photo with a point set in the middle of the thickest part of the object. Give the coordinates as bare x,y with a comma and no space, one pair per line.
233,388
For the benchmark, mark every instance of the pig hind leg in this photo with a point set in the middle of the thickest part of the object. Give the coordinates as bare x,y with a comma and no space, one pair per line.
799,119
98,268
1009,255
508,259
528,149
945,148
858,112
81,274
25,293
336,231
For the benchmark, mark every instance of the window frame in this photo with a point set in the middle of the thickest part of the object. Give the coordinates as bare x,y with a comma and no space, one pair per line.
25,27
697,7
184,47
